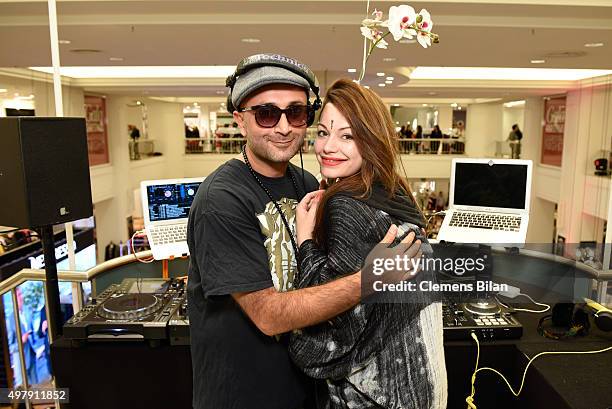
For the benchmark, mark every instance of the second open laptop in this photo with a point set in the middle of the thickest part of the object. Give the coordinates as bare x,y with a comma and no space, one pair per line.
165,207
488,201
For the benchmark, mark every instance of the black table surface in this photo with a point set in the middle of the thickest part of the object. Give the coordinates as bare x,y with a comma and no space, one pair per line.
136,375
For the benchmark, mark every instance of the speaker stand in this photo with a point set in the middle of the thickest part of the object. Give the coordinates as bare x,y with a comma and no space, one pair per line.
52,295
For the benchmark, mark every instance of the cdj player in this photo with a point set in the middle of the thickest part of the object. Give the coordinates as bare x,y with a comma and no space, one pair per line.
136,309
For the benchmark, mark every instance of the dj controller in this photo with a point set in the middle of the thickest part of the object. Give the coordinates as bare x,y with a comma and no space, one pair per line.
488,320
146,309
155,310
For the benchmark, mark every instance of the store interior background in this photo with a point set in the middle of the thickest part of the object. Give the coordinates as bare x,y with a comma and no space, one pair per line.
568,200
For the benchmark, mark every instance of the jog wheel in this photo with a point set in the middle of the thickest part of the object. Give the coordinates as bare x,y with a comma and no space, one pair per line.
130,307
483,307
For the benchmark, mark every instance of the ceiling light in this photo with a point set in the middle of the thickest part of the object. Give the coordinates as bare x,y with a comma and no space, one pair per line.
16,94
250,40
380,74
407,41
390,78
191,71
593,45
115,59
388,82
389,59
3,89
432,93
454,105
514,103
538,61
490,73
382,85
352,70
424,105
366,86
396,105
459,108
64,41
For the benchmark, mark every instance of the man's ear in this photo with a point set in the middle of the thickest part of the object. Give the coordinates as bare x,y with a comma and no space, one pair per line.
239,119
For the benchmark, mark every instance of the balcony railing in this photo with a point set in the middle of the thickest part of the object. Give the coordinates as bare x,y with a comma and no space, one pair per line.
430,146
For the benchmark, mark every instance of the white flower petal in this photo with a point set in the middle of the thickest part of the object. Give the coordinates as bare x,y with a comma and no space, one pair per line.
424,40
367,33
382,44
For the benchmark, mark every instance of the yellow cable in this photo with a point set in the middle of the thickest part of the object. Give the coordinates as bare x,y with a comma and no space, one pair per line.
470,399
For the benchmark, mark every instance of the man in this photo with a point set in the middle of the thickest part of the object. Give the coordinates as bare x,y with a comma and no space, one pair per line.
514,139
242,244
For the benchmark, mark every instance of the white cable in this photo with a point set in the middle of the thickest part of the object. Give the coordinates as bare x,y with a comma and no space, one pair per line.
546,306
470,399
134,251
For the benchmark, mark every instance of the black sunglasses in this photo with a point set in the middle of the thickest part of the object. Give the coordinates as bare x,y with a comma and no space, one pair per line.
267,115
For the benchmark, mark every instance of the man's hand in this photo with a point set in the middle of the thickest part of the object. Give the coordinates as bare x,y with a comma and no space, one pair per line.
24,337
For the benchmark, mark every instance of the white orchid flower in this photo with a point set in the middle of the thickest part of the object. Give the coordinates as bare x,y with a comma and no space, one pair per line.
424,23
401,18
375,36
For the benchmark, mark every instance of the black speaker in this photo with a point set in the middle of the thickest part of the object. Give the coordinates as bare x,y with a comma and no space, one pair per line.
44,171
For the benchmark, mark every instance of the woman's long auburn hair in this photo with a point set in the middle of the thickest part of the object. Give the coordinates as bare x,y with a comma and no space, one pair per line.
374,134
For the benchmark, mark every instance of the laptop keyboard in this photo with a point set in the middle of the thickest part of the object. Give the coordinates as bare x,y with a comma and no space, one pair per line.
169,234
486,221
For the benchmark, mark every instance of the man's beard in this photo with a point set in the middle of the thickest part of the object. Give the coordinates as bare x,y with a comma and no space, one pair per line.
266,151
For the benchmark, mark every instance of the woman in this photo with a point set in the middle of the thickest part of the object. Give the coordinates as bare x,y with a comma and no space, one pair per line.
375,355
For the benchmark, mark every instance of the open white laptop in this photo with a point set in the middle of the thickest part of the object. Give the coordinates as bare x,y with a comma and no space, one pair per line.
488,201
165,207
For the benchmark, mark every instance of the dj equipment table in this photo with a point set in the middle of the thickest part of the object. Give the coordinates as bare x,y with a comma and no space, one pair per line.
127,375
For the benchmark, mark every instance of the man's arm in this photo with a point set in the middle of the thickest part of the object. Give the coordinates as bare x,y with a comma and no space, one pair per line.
276,312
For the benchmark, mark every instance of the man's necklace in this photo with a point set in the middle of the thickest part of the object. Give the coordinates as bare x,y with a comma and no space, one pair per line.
278,208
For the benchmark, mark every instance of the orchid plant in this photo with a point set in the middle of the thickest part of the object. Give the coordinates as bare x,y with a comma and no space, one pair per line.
403,22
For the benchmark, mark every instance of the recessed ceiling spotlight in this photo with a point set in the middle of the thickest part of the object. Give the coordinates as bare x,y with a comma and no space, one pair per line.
64,41
432,93
396,105
389,59
594,45
424,105
250,40
454,105
382,85
407,41
3,90
366,86
388,82
390,78
538,61
115,59
352,70
459,108
380,74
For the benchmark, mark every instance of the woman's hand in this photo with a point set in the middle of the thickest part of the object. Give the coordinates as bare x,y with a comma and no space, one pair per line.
305,215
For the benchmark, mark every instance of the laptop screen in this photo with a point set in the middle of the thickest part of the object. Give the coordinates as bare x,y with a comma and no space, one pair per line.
498,185
170,201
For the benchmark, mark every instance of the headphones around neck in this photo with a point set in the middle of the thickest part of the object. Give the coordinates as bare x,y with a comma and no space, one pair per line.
276,60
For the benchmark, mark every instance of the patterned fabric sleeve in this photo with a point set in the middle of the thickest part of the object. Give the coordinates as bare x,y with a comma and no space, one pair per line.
326,350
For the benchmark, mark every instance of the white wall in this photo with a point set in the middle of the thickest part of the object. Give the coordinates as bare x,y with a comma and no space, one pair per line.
483,128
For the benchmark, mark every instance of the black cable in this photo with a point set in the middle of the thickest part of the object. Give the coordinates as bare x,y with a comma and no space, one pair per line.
278,208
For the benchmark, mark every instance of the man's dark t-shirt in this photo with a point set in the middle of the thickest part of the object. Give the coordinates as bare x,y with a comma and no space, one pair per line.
238,243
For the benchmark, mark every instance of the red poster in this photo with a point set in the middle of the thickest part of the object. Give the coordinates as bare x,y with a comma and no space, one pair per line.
97,140
552,132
